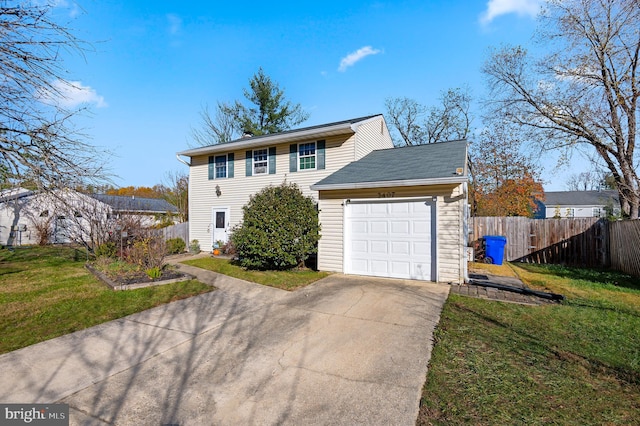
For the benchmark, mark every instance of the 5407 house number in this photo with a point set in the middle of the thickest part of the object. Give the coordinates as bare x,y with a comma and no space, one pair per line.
386,194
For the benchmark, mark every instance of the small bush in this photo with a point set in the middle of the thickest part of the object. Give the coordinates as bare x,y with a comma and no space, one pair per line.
194,247
154,272
106,250
175,245
279,229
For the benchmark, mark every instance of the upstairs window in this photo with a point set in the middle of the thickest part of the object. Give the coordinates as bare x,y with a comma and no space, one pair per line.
307,156
260,161
221,166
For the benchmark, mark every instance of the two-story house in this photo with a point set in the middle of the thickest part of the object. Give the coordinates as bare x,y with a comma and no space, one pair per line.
384,211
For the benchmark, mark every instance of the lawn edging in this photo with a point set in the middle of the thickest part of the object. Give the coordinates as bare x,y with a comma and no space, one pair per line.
119,287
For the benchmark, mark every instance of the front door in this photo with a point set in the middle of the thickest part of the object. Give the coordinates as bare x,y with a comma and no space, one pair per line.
220,222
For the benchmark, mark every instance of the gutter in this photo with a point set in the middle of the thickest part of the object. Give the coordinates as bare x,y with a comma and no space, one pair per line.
255,141
389,183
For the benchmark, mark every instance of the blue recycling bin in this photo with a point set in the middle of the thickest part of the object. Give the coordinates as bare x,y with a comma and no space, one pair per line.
494,248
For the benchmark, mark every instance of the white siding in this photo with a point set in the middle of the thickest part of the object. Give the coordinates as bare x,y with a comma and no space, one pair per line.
451,242
578,211
372,135
235,191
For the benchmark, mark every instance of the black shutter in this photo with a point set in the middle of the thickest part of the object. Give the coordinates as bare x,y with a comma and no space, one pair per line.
320,150
211,167
230,165
293,157
249,162
272,160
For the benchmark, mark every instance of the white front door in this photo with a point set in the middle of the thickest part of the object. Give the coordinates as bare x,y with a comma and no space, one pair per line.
220,222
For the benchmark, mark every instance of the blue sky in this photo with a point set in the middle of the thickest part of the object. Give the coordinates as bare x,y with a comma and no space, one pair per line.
153,65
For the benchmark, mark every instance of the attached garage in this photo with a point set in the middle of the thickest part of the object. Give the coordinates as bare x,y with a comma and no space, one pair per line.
397,213
390,238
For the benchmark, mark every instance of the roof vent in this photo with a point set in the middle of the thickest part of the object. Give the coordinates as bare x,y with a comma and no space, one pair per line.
247,135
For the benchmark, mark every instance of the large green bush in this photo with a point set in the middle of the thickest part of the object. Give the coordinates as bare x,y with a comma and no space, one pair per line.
279,229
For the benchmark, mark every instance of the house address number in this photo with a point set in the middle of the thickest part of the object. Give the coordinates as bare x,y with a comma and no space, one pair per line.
386,194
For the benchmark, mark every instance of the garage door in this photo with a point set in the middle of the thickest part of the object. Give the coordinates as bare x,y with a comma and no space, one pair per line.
394,239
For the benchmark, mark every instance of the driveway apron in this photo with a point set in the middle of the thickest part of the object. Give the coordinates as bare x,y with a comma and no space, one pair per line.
345,350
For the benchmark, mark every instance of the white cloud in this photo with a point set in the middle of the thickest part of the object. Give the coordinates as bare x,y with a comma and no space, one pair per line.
175,23
497,8
71,94
356,56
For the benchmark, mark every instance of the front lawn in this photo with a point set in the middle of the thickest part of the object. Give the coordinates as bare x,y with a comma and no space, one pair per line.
46,292
575,363
285,280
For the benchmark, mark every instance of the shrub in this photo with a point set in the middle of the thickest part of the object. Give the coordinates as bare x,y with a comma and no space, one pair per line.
154,272
106,250
194,246
279,229
147,252
175,245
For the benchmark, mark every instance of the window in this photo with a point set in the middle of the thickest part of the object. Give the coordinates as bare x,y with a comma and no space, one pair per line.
570,212
307,156
260,161
221,166
597,212
220,220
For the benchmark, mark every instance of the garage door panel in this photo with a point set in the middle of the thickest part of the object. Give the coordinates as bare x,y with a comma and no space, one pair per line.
400,248
378,227
379,247
390,239
379,267
400,227
360,246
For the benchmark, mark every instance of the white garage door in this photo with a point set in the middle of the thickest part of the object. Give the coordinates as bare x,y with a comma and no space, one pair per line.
394,239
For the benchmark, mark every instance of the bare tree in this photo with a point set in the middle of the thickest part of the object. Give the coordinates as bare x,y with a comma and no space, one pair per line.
416,124
217,128
406,116
38,142
450,120
585,92
176,192
585,181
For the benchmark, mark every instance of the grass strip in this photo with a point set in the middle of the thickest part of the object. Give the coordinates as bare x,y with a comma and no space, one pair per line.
285,280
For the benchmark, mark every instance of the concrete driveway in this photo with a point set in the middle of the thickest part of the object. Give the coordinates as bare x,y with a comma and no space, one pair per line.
345,350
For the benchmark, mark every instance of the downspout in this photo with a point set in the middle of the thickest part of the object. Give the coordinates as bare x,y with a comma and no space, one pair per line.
465,229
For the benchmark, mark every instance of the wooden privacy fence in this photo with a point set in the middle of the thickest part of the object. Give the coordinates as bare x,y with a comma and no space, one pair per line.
624,245
179,230
581,241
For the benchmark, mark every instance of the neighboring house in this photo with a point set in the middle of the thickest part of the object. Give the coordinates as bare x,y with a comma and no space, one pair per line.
150,210
563,204
384,211
66,215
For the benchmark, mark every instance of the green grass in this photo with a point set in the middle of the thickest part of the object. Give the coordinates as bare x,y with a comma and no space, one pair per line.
576,363
46,292
285,280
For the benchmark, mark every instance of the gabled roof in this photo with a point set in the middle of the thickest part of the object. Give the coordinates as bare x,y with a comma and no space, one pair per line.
136,204
320,131
580,198
438,163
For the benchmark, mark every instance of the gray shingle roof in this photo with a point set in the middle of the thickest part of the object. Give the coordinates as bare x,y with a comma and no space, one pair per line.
580,198
338,127
136,204
422,164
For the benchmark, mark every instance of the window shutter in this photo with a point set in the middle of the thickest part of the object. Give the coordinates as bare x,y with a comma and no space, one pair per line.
293,157
249,162
320,148
272,160
211,167
230,165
